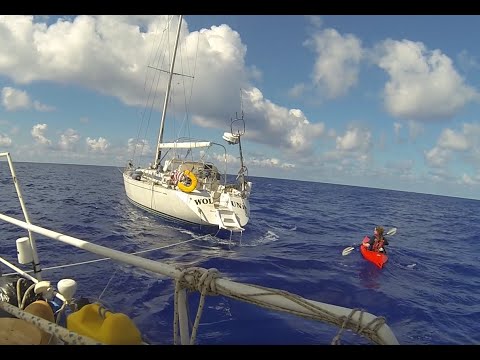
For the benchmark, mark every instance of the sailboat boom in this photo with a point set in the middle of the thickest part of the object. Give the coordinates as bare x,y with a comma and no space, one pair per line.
185,145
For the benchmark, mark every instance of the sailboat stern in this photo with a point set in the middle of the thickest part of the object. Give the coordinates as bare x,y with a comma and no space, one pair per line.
221,209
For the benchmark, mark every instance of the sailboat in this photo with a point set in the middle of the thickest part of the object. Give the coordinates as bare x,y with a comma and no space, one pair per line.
184,186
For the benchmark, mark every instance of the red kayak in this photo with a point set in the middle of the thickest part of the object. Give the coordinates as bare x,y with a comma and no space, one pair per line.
377,258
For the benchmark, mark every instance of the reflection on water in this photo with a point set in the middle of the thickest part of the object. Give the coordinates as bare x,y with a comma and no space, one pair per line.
370,275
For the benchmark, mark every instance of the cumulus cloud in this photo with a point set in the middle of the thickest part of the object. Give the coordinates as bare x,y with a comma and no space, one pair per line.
14,99
38,132
279,126
437,157
37,105
452,140
68,139
450,143
270,163
354,139
111,53
315,20
337,66
5,140
97,145
424,84
139,147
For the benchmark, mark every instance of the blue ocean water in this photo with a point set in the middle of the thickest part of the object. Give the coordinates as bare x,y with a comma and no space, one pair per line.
429,291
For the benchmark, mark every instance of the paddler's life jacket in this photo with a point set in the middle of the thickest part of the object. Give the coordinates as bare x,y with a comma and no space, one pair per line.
377,245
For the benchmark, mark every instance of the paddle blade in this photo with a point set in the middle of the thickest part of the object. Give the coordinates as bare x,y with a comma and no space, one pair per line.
347,250
392,231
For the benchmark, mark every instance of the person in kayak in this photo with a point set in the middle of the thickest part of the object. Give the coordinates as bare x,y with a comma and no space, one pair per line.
377,241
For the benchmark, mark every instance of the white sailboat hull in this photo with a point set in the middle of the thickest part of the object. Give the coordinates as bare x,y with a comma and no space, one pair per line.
197,207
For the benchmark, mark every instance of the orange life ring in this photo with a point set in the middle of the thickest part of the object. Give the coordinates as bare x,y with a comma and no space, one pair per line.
193,182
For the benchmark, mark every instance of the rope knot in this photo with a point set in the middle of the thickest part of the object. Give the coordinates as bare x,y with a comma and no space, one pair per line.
371,328
200,279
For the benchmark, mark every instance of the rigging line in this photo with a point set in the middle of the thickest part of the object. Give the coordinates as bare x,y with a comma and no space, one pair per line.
150,59
185,102
188,98
152,92
193,80
109,281
107,258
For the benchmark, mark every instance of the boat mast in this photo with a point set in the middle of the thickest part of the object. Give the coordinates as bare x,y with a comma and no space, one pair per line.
158,153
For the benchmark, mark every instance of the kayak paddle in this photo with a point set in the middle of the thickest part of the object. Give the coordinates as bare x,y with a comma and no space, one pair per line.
349,249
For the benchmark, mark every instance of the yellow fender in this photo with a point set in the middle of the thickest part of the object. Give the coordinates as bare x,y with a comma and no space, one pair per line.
193,182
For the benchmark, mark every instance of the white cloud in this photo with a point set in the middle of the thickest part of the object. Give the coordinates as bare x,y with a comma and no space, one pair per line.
255,73
449,139
281,127
68,139
315,20
297,90
42,107
423,84
437,157
467,61
139,147
472,132
354,140
5,140
270,163
38,134
467,180
14,99
337,65
110,55
466,141
274,125
97,145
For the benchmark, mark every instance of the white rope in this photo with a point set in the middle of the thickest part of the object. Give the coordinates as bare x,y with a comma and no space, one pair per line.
377,322
109,281
107,258
318,313
204,282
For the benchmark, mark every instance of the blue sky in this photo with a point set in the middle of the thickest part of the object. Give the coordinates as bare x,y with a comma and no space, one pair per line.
382,101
